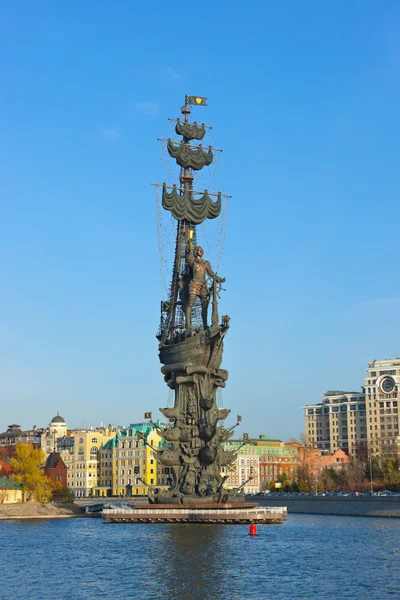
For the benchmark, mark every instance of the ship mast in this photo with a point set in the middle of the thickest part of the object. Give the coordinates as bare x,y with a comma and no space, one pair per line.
186,178
187,210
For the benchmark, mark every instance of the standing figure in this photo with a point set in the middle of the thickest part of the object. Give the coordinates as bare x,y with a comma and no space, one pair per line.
195,283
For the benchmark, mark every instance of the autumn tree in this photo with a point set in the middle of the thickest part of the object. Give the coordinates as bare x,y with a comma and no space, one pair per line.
28,463
7,452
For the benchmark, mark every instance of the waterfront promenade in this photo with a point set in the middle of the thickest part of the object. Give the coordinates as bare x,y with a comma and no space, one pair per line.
361,506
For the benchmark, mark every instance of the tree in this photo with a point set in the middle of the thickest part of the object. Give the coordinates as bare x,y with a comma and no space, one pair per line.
303,486
286,485
355,474
27,463
7,452
68,494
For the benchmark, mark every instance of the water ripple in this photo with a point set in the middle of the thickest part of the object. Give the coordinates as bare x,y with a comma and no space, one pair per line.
308,557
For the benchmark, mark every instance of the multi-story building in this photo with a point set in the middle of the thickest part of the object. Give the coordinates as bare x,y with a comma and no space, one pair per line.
57,429
65,446
337,422
382,389
56,469
128,464
260,461
14,434
83,462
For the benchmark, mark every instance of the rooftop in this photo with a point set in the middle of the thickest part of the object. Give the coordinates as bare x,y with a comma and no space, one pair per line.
342,393
8,484
57,419
53,459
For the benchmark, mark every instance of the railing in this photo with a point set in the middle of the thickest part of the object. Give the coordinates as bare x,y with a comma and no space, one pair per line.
270,510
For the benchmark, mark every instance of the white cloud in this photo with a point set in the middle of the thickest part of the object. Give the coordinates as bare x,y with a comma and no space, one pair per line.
110,134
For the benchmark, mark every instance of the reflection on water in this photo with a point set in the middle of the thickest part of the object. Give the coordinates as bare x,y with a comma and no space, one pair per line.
195,564
307,557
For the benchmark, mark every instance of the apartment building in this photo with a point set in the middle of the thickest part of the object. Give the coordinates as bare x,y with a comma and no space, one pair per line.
338,422
260,461
128,464
382,392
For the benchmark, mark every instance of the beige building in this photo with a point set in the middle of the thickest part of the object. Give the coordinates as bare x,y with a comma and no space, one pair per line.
79,450
10,491
57,429
128,462
86,459
259,462
338,422
382,391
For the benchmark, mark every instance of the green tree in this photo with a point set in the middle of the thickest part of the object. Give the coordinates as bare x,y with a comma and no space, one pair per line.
68,494
303,486
28,463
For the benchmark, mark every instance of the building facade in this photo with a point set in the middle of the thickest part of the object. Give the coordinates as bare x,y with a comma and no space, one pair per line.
15,434
57,429
382,390
56,469
359,423
259,462
80,453
10,491
128,464
338,422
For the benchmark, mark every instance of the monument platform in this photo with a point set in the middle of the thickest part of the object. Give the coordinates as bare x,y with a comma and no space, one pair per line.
224,514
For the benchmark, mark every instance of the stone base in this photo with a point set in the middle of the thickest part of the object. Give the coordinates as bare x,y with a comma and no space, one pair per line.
222,514
201,505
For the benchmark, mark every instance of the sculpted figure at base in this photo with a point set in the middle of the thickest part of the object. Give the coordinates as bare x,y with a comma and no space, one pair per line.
195,285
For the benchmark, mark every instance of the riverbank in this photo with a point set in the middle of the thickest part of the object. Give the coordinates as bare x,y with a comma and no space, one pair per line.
362,506
36,510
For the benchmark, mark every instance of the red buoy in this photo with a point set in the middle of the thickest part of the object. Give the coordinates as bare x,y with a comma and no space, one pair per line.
253,529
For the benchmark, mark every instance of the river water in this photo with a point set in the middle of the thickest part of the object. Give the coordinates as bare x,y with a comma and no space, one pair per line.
306,557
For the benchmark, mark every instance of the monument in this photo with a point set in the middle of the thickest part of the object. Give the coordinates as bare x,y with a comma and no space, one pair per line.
190,349
191,346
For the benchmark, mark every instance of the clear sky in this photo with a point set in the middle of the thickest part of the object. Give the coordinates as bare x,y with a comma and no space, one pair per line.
304,100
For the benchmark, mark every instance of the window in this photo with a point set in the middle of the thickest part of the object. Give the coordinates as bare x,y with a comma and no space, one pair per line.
93,452
94,440
80,440
81,452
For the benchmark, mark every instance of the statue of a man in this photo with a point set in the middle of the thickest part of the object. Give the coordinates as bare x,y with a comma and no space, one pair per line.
198,268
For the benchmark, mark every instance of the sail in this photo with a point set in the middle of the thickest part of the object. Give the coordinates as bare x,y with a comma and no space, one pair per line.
190,158
185,207
191,131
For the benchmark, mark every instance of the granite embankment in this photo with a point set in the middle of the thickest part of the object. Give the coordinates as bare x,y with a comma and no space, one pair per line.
362,506
36,510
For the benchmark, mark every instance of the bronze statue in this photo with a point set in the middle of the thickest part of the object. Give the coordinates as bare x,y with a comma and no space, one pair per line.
191,355
194,284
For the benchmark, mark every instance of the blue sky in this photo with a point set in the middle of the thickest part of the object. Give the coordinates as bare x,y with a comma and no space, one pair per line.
303,98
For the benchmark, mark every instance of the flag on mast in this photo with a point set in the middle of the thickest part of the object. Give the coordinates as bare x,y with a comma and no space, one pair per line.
196,100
